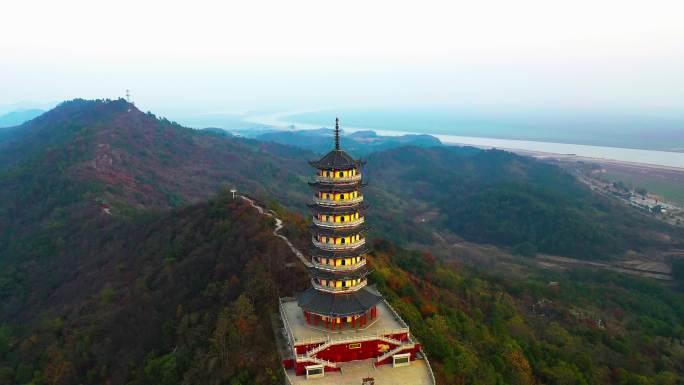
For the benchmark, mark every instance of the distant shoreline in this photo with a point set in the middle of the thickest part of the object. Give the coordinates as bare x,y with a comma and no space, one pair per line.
635,157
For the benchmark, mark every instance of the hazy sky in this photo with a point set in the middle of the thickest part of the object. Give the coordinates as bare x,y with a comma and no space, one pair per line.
200,56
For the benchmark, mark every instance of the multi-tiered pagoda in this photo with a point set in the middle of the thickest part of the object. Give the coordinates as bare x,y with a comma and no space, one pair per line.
340,321
339,297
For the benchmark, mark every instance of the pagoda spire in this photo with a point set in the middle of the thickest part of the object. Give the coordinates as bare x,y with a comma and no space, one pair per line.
337,133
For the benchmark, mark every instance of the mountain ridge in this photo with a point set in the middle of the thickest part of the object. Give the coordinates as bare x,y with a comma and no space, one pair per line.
108,152
99,285
17,117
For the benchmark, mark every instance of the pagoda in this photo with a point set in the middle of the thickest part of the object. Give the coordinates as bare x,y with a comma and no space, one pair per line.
341,321
338,297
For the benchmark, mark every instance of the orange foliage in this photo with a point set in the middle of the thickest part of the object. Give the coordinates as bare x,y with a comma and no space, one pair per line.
428,309
522,367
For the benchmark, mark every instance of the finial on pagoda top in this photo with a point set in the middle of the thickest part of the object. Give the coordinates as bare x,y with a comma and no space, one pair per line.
337,133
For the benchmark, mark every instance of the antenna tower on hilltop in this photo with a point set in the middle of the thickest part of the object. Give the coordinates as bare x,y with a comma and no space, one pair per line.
128,99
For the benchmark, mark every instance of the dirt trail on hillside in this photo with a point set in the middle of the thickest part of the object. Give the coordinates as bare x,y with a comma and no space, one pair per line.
278,227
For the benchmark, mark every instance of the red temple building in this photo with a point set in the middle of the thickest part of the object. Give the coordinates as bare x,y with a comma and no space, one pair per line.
340,330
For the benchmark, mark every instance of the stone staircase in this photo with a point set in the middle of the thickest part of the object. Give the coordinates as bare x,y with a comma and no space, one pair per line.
395,351
320,348
310,354
320,361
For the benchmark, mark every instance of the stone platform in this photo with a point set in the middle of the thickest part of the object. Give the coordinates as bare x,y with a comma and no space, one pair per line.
386,322
353,373
296,333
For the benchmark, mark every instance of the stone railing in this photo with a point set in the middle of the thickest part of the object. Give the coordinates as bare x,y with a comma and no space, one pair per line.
354,337
316,360
288,330
427,362
396,316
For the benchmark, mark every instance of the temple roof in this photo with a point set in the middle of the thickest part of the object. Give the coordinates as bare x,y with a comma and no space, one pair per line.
341,275
338,232
336,160
348,253
338,305
342,187
352,208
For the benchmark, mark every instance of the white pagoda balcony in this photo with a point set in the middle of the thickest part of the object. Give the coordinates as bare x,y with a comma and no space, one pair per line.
340,202
334,179
348,289
328,267
338,225
339,246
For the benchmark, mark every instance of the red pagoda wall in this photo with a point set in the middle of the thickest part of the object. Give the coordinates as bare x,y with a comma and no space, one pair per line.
343,353
302,349
300,369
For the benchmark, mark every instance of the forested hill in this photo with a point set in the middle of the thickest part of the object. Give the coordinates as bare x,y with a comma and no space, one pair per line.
183,296
501,198
137,159
86,155
187,296
360,143
115,268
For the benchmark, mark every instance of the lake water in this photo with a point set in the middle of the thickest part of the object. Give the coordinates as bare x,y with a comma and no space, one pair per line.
652,157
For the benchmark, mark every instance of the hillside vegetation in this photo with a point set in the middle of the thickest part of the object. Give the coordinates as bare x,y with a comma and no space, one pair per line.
87,153
119,265
185,297
82,155
492,196
179,297
504,199
587,327
360,143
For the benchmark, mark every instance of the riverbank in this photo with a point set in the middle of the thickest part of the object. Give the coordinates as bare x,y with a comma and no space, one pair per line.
635,157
